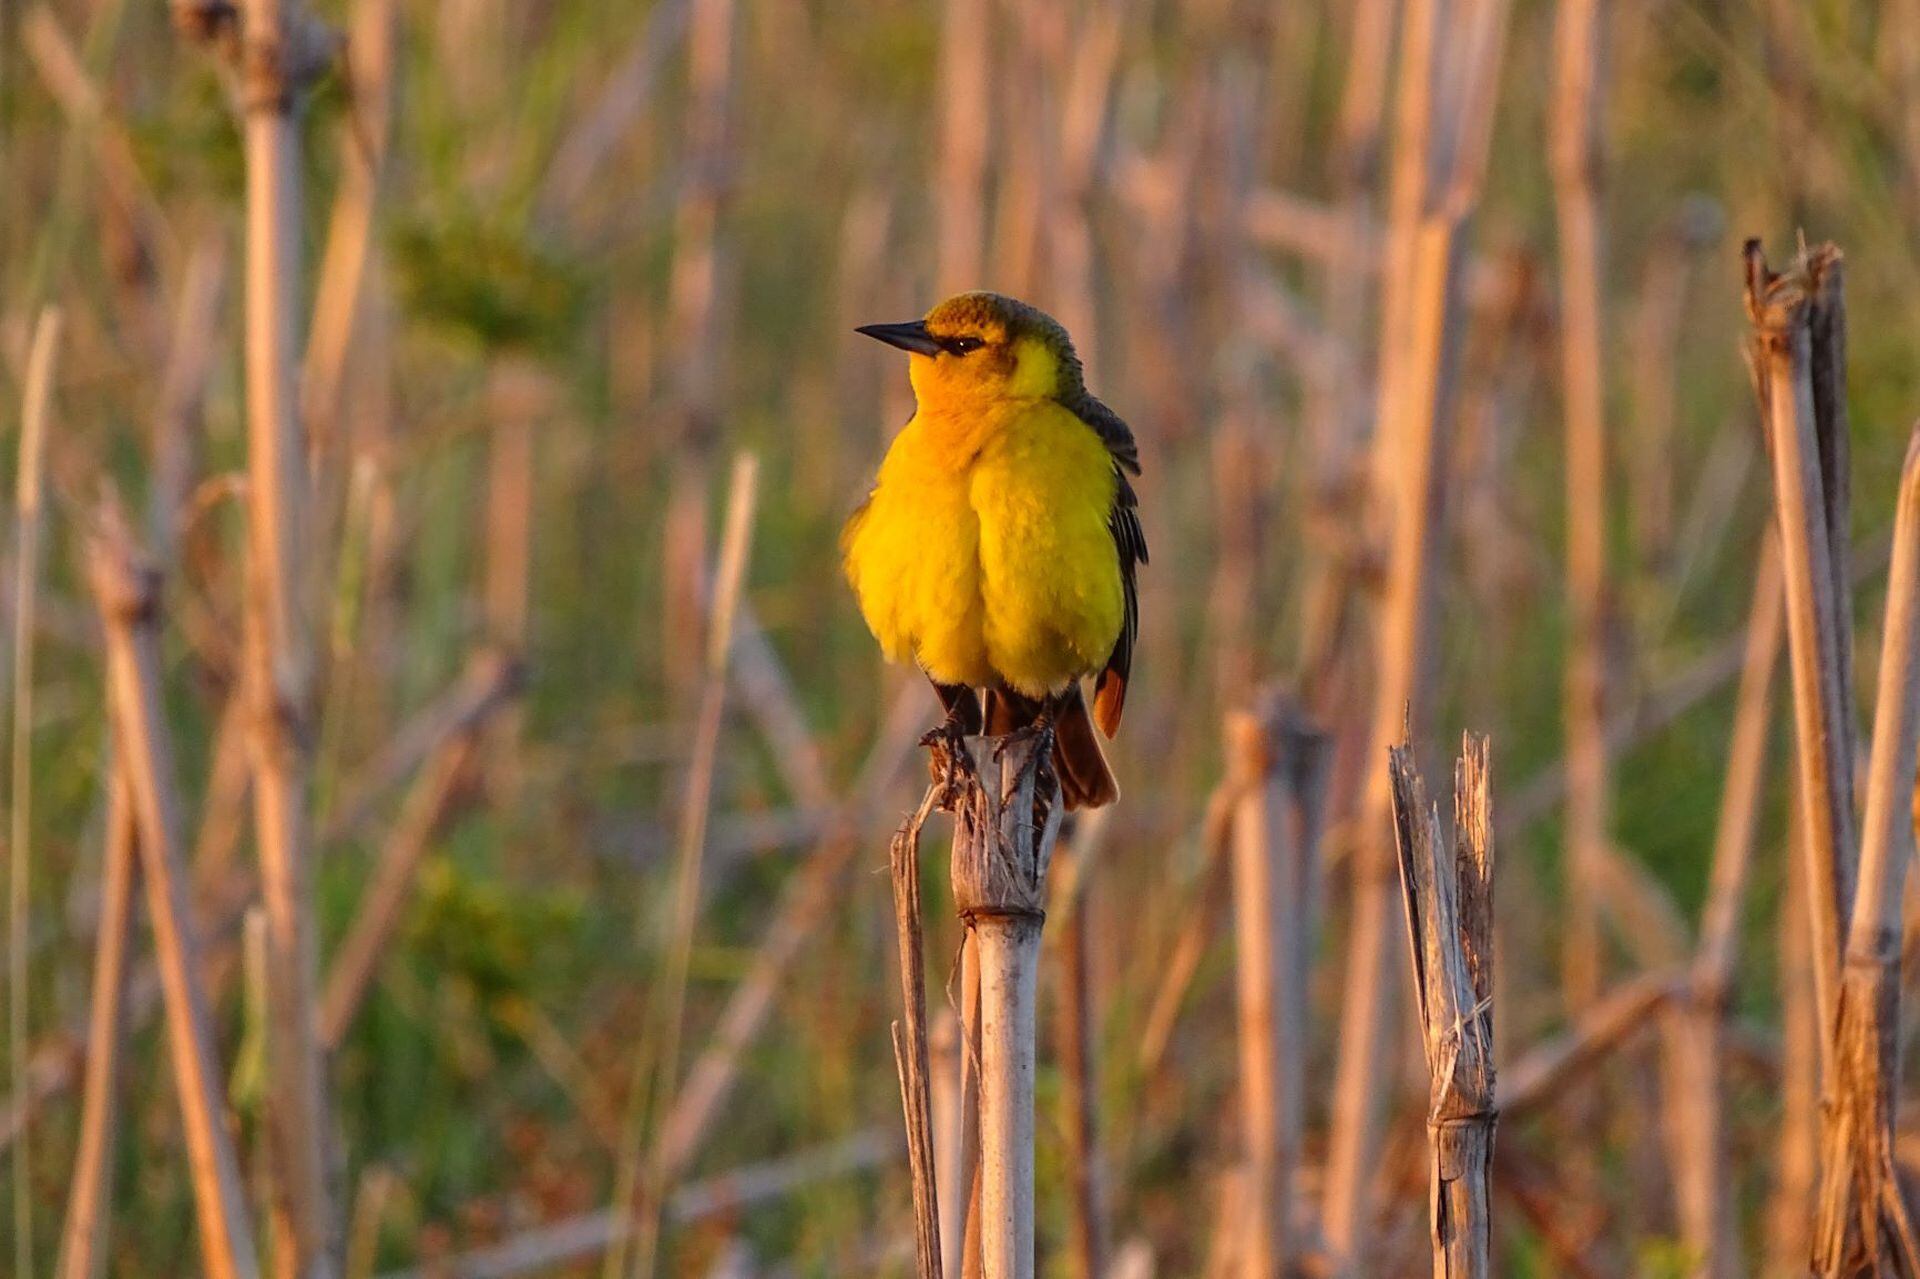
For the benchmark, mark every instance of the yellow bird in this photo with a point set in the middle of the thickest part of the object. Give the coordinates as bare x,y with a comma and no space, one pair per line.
998,547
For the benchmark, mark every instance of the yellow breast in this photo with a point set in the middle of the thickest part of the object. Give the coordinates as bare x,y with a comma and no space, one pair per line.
983,553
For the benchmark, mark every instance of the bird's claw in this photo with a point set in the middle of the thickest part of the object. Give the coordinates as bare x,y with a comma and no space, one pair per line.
1040,729
949,734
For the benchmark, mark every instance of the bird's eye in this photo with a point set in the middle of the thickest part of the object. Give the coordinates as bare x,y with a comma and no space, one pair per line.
964,346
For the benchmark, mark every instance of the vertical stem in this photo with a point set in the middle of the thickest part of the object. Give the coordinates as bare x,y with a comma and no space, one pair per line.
965,122
278,55
1439,167
1697,1124
1861,1220
27,525
736,539
83,1248
961,1248
1783,363
128,595
910,1052
1790,1209
1079,1084
1009,978
1264,914
1575,126
1007,813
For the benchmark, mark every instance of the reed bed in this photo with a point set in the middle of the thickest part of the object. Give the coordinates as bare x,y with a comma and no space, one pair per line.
503,780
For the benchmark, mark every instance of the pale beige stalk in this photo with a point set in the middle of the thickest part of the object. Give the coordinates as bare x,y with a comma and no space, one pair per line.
83,1247
1439,165
27,524
1862,1223
127,590
1574,160
1802,424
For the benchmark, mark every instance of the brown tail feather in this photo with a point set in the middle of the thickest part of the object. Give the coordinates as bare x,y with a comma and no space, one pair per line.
1085,779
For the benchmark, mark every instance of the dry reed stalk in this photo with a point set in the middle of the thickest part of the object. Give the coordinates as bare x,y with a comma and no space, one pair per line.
1430,213
1449,904
1655,342
736,540
727,1194
767,691
1543,1074
910,1053
809,895
1797,1167
1006,809
960,1249
1696,1124
1798,359
373,44
1862,1222
28,522
83,1246
1076,1019
1189,947
966,116
1277,764
383,902
490,678
944,1040
63,70
1074,1027
1574,161
701,266
127,590
276,50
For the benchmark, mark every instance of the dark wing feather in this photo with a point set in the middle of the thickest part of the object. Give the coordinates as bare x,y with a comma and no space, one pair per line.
1129,543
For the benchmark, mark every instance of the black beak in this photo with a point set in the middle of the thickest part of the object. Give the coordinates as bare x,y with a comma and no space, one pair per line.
908,337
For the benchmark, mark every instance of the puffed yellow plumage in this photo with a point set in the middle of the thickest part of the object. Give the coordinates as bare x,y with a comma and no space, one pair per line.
998,547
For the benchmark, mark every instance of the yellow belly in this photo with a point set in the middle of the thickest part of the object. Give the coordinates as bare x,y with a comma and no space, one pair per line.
985,557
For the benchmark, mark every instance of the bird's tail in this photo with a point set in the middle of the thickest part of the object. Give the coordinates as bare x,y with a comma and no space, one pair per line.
1085,779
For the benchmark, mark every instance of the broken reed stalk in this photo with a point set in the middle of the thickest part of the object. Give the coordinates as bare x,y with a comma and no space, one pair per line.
1278,766
1862,1222
1696,1125
1572,152
1798,361
910,1049
83,1245
1006,808
276,50
1430,216
1448,893
735,543
127,589
26,548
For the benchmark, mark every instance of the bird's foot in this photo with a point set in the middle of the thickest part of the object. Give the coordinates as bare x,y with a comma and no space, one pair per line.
949,734
1039,730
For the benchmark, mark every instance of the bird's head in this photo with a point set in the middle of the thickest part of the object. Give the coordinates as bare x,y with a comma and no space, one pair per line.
983,346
